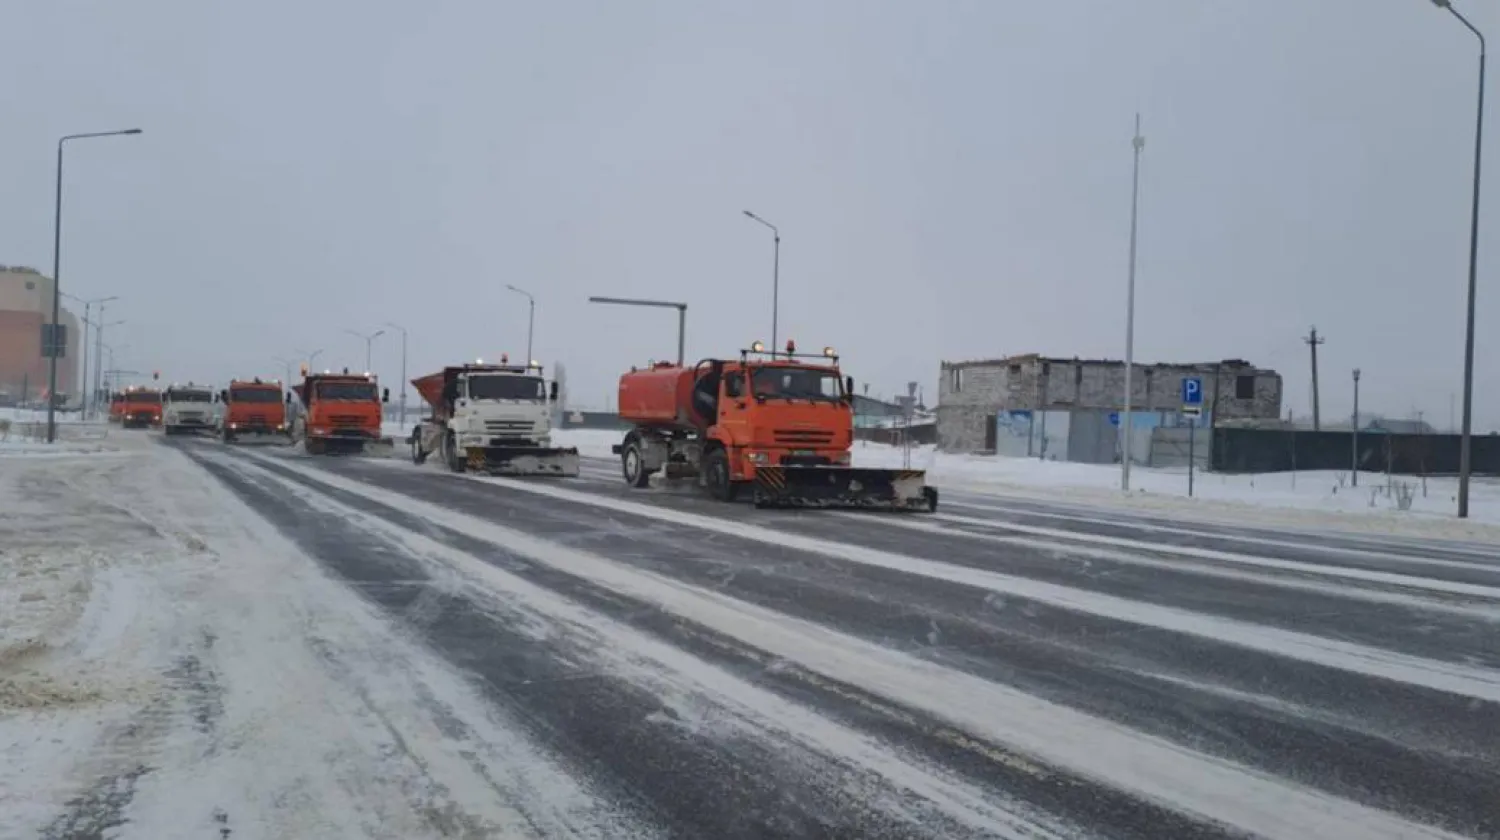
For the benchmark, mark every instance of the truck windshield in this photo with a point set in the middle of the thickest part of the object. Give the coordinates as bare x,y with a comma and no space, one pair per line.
363,391
151,398
506,388
188,396
796,383
254,395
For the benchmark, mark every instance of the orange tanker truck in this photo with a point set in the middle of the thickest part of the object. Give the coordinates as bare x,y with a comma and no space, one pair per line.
254,408
343,413
778,424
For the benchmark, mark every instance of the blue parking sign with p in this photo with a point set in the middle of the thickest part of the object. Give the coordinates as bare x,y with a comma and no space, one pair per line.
1192,391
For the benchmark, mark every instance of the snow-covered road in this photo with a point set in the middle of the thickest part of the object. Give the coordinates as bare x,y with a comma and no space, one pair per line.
196,638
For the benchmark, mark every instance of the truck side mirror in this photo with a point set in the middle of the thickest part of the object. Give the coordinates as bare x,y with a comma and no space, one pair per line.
554,390
385,396
288,397
849,388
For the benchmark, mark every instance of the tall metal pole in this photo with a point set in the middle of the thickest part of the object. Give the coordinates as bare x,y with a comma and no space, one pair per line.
83,381
99,356
665,304
53,349
1138,142
530,318
1464,463
403,371
369,343
57,275
1313,341
87,392
775,277
1354,435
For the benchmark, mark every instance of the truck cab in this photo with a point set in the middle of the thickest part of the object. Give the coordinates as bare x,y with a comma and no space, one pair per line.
342,412
186,409
495,405
140,408
491,418
253,407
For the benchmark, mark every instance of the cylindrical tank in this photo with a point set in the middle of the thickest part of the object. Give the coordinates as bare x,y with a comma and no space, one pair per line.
660,396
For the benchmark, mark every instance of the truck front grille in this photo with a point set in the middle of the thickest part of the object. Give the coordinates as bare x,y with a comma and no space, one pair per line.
803,437
346,420
508,428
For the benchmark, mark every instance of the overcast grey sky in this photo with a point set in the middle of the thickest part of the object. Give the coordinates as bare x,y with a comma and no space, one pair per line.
952,180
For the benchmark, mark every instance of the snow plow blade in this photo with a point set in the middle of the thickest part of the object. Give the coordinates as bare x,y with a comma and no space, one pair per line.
844,487
523,460
335,445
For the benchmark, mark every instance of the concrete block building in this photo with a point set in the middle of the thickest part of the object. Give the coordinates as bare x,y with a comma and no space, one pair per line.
25,305
1069,409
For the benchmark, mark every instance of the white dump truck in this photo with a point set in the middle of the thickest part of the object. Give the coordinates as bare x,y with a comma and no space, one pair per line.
188,409
489,418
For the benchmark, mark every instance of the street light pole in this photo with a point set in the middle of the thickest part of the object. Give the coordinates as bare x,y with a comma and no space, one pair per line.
1464,463
287,364
665,304
57,347
89,325
775,276
369,343
310,357
403,372
1354,435
1138,142
530,318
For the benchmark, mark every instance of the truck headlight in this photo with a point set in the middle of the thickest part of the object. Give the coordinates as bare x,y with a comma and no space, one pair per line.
759,458
842,459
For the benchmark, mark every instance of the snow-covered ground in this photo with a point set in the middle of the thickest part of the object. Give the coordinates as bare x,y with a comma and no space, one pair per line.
167,658
1311,499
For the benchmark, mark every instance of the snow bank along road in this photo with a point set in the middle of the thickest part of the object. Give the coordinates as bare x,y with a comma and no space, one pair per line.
280,646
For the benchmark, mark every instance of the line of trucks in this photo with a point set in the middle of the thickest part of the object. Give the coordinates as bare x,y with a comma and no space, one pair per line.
776,426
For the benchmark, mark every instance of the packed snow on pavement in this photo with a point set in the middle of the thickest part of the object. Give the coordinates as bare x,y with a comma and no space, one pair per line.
1306,499
170,663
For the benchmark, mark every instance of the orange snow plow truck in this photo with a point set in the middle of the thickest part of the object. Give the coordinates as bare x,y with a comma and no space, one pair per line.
778,424
140,408
343,413
254,408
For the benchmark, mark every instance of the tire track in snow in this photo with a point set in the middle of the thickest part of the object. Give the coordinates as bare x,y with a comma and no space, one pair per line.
700,767
1184,787
1369,732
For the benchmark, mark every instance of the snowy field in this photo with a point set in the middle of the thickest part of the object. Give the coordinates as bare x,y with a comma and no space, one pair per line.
1307,499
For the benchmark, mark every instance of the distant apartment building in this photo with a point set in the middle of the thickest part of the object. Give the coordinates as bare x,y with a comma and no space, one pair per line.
1069,409
25,305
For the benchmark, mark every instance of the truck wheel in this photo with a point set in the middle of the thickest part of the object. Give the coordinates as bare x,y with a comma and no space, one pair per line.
930,495
633,465
418,457
450,454
716,476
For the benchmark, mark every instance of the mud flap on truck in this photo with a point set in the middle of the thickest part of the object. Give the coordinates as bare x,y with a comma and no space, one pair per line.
844,487
523,460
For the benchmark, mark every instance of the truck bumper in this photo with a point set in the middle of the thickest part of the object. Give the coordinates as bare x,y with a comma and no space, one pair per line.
522,460
844,487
